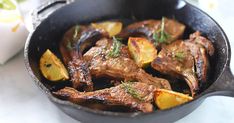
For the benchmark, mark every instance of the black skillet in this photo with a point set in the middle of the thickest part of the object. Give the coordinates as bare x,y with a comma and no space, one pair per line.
50,31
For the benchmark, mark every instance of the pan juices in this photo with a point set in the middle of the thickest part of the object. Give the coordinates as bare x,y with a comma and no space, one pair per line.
13,33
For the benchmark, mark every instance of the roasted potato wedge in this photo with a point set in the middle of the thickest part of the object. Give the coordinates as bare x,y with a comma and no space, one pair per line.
165,99
174,28
52,68
142,51
112,27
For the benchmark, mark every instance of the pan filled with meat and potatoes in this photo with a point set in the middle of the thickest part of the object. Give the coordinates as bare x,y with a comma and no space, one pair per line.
125,61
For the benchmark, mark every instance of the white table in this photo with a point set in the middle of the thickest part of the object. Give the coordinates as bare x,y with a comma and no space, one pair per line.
22,102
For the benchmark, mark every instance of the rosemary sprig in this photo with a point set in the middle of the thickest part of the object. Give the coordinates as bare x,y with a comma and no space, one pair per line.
47,65
180,55
161,36
77,29
75,34
130,90
69,45
115,49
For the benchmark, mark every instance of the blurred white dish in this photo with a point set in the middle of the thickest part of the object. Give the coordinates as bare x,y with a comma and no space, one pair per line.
12,32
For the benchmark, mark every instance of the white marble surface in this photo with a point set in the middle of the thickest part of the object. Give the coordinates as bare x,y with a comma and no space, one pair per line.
22,102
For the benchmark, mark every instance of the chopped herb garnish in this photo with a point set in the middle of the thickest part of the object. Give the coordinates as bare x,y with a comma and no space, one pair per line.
98,52
77,29
180,55
115,49
7,5
130,90
117,38
47,65
161,36
69,45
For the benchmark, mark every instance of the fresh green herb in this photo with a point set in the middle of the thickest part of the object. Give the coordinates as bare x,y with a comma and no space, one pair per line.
117,38
130,90
7,5
100,51
69,45
161,36
47,65
77,29
180,55
115,49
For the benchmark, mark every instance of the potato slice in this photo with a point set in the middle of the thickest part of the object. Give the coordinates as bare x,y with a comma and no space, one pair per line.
142,51
52,68
165,99
113,28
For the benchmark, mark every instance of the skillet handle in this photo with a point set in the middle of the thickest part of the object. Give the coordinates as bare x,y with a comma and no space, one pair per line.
224,85
43,11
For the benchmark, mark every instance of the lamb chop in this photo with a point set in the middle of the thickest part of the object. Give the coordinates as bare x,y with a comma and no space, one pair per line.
136,95
200,48
120,67
73,44
200,59
176,60
149,28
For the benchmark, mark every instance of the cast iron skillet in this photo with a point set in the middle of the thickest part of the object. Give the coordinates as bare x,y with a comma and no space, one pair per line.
50,31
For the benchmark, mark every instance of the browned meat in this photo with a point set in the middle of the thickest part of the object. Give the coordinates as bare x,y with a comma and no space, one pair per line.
200,48
74,43
136,95
142,28
198,39
77,39
80,74
201,60
102,48
176,60
121,67
147,28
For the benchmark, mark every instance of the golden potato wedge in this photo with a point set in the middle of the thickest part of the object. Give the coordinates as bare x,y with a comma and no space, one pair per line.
52,68
142,51
165,99
112,27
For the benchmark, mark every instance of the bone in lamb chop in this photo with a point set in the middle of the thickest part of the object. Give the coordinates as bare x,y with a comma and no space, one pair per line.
136,95
73,44
200,48
171,29
104,63
176,60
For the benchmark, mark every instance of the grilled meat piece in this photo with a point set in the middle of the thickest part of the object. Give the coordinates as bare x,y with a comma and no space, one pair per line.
74,43
80,75
78,39
147,28
142,28
102,47
200,48
198,39
121,67
176,60
136,95
201,60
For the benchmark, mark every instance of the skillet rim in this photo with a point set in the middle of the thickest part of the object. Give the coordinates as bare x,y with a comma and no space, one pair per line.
118,114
